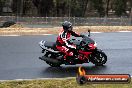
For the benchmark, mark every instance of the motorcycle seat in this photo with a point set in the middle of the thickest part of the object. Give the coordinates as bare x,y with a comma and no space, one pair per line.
50,44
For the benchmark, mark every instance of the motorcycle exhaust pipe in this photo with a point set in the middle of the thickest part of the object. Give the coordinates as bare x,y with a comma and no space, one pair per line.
51,60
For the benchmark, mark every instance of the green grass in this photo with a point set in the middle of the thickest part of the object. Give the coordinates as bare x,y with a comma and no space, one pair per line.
57,83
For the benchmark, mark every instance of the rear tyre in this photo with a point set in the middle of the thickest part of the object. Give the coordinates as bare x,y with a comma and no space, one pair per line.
53,64
99,58
52,55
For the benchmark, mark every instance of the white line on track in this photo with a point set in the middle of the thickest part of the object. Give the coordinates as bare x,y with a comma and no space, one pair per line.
96,32
9,35
125,31
47,34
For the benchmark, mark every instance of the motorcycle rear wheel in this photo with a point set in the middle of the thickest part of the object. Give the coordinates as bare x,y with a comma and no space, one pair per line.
53,64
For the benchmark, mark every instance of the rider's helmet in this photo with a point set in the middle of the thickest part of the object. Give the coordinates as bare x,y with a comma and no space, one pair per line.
67,26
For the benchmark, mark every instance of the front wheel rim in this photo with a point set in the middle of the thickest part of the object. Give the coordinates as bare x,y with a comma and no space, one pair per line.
100,58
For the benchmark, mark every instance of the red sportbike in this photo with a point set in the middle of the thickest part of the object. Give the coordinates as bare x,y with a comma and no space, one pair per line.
87,52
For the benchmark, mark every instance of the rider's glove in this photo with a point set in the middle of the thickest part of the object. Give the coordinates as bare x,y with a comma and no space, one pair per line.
82,35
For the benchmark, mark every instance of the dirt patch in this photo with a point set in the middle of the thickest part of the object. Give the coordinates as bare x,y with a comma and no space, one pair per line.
19,30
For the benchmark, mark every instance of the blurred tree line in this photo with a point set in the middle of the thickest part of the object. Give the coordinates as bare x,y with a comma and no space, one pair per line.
72,8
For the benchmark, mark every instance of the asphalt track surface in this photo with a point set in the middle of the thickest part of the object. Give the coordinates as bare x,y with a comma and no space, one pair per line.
19,57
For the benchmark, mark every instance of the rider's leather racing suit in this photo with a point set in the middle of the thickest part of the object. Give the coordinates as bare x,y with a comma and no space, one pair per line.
62,43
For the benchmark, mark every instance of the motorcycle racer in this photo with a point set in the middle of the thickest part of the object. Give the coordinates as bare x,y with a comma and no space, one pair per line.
65,51
62,43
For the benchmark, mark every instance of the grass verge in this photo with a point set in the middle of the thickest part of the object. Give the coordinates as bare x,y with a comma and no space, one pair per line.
57,83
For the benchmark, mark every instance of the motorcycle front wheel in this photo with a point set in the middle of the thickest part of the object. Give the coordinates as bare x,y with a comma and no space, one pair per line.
98,58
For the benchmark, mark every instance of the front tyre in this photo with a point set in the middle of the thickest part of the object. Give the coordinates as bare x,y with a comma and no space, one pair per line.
98,58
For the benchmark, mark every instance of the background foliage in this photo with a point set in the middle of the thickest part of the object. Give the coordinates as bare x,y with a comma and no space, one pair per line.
66,8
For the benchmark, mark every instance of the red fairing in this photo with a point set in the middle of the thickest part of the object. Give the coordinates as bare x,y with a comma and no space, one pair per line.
65,50
62,49
85,53
91,46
